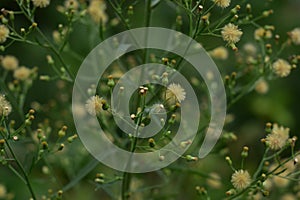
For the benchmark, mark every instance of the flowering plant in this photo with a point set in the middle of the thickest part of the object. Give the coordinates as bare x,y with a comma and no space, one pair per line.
41,154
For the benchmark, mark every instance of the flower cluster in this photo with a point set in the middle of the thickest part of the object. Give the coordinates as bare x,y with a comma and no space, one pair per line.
278,137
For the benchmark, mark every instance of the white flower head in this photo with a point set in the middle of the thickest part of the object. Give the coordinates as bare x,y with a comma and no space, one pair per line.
278,138
240,179
41,3
5,107
295,36
9,62
219,53
222,3
261,86
4,33
22,73
175,90
231,33
97,12
250,49
281,68
94,105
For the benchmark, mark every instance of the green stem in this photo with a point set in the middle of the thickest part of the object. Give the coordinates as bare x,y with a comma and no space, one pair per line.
49,45
26,178
118,12
127,176
261,164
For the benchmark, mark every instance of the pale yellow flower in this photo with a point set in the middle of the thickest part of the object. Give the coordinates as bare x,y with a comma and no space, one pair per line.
278,137
295,36
10,62
175,91
41,3
22,73
94,105
288,196
5,107
282,172
219,53
262,33
261,86
3,191
4,33
281,68
250,49
214,181
96,10
222,3
240,179
231,33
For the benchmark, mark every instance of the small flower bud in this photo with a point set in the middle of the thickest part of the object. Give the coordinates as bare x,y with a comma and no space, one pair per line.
72,138
23,31
172,119
230,192
28,121
132,116
269,48
62,131
61,147
267,13
249,8
227,158
50,60
200,8
60,193
244,153
130,10
205,19
110,82
99,180
235,9
161,158
201,190
100,175
2,142
31,112
295,161
44,78
105,105
165,79
151,142
184,144
33,25
44,145
268,128
179,20
191,158
165,61
11,15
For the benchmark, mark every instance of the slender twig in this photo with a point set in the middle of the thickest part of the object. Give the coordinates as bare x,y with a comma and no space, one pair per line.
25,175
